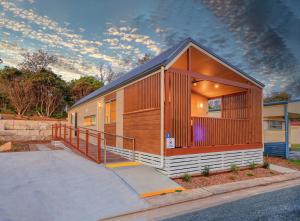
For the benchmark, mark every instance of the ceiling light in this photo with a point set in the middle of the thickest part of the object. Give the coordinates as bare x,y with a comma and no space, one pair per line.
217,86
195,84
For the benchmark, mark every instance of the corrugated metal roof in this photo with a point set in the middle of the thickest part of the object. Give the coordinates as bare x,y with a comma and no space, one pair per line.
152,65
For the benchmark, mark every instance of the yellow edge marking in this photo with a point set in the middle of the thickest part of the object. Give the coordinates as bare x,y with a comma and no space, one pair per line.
124,164
144,195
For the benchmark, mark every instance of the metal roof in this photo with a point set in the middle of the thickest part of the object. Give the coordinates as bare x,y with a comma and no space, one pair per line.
152,65
281,102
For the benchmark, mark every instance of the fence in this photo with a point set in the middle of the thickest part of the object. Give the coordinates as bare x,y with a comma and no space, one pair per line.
207,131
89,142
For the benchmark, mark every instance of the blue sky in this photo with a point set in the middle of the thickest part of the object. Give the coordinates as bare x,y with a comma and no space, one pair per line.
260,37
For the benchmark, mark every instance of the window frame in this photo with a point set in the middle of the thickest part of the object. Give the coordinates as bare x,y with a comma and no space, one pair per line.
92,122
108,119
271,125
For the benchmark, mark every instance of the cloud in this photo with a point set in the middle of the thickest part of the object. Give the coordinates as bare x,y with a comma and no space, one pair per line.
129,34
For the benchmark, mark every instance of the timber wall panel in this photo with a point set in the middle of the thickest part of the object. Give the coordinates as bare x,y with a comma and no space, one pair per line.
143,95
110,129
235,106
145,128
178,107
141,118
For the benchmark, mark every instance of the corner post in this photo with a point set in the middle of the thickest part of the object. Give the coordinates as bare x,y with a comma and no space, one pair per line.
286,122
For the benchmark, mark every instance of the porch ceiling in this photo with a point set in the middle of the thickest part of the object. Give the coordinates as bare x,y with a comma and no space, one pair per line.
211,89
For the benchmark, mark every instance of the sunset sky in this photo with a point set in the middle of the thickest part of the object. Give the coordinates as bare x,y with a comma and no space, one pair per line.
260,37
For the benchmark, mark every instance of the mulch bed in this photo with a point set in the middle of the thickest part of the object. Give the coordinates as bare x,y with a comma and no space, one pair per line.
21,146
226,177
282,162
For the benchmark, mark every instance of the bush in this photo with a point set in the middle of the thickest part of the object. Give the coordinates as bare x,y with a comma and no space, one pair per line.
205,171
187,177
250,174
234,168
252,165
266,165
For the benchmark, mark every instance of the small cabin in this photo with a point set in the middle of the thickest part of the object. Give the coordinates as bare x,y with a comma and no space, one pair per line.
164,106
281,127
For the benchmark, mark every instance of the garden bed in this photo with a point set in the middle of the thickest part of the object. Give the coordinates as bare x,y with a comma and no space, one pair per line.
226,177
29,146
292,164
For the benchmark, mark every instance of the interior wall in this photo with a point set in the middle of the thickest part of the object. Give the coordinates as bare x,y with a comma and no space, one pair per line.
199,105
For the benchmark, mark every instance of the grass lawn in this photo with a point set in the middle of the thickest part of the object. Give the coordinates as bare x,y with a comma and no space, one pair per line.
296,147
296,162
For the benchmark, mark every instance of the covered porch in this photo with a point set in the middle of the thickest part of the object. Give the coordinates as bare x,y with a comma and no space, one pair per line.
192,84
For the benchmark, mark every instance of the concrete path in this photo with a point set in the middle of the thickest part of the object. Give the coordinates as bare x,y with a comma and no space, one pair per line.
281,169
146,180
59,185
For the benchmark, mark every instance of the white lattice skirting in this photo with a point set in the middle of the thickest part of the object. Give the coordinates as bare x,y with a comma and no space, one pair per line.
175,166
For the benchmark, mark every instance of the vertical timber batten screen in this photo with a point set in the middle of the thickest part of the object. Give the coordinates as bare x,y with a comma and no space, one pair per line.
141,118
143,95
178,107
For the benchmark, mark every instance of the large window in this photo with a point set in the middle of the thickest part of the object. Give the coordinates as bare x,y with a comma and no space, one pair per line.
275,125
110,112
90,120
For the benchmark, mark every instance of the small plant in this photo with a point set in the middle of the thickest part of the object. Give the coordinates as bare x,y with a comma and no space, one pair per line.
232,178
205,171
250,174
266,165
187,177
234,168
252,165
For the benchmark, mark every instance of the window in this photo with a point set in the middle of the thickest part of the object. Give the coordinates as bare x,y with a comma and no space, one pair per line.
90,120
110,112
275,125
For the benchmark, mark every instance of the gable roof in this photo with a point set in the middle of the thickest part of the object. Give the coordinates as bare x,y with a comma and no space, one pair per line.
155,64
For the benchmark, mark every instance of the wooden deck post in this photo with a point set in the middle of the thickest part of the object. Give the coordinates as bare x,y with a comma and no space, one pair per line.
65,132
78,136
99,148
87,142
70,136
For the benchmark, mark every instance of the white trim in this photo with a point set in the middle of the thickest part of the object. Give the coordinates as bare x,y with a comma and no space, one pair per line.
213,57
176,166
162,109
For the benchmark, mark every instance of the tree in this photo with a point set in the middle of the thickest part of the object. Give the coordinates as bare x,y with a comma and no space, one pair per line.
106,74
18,89
146,57
84,86
278,96
37,61
50,92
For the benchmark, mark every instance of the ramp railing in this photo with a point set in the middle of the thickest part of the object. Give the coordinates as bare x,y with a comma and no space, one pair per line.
98,146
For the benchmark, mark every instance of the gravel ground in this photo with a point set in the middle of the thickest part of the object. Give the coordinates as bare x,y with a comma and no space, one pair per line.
282,162
228,177
279,205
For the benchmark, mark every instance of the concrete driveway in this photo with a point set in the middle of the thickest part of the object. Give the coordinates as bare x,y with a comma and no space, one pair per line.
59,185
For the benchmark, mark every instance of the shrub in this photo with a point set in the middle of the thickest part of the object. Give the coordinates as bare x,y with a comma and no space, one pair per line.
266,165
252,165
250,174
232,178
234,168
205,171
187,177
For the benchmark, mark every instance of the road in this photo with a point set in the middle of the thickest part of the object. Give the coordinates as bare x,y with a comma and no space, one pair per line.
278,205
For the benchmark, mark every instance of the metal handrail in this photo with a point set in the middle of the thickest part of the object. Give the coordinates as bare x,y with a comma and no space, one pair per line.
89,132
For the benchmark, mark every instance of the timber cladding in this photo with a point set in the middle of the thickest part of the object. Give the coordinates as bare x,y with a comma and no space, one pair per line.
142,95
178,107
145,128
141,118
110,129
